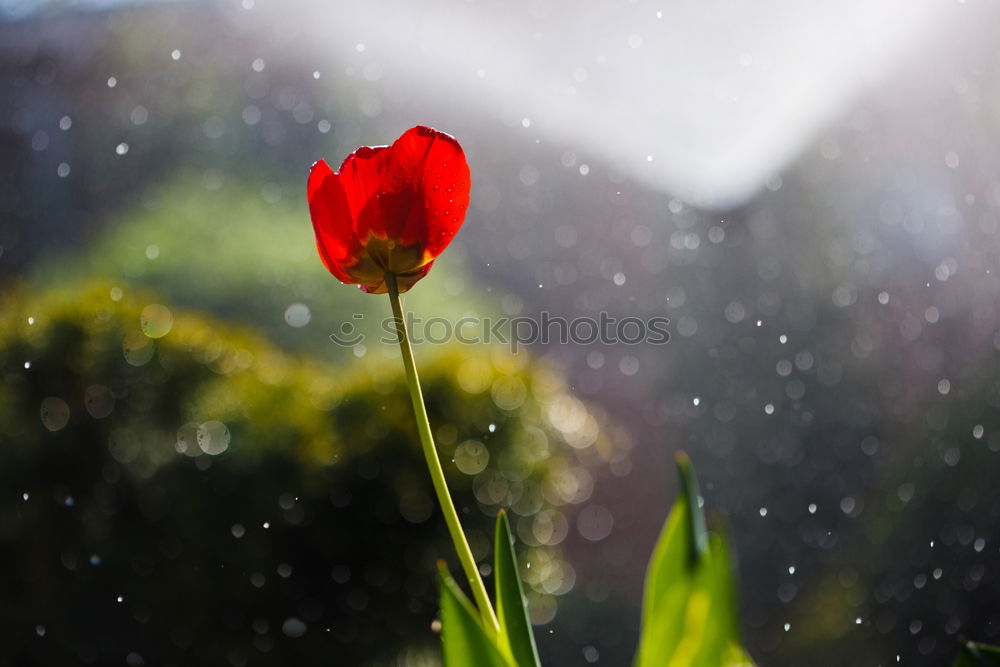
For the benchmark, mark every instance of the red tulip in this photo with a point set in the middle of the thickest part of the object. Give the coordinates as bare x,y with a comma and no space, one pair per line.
389,208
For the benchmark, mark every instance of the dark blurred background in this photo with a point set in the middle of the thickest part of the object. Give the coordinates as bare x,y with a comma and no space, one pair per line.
193,473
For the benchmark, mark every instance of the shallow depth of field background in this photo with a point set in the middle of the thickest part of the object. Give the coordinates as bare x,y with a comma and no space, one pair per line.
193,473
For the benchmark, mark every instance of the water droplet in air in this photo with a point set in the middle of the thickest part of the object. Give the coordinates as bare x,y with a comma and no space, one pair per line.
55,413
99,401
156,320
298,315
471,457
213,438
293,627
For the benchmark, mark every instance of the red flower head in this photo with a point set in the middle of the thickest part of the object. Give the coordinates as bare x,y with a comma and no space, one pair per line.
389,208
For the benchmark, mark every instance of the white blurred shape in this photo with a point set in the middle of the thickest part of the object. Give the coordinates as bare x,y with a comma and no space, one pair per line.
723,93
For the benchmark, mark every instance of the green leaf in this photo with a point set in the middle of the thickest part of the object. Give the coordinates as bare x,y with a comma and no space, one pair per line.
974,654
670,576
711,628
696,517
725,611
690,616
516,639
463,640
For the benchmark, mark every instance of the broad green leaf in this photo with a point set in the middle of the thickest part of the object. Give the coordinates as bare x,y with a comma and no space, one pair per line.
725,612
463,640
516,640
974,654
711,628
690,615
670,577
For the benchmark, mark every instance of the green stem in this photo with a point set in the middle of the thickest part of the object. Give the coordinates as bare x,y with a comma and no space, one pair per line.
434,466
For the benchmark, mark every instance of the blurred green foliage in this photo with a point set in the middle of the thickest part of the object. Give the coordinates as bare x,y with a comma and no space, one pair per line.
243,500
246,251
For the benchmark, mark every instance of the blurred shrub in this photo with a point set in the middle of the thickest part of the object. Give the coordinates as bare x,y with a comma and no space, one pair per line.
188,493
246,251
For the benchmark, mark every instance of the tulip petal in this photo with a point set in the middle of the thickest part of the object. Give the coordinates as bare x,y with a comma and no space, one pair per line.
433,165
336,241
390,208
363,177
412,195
